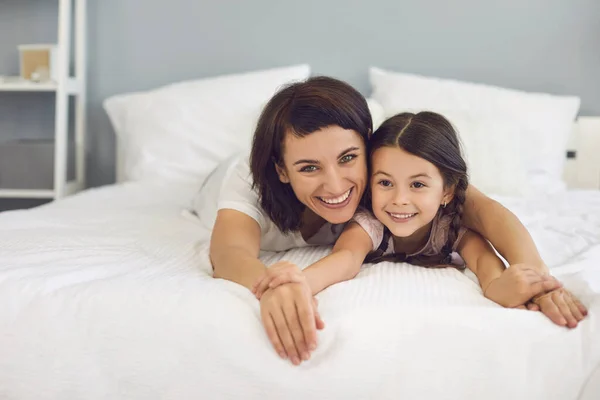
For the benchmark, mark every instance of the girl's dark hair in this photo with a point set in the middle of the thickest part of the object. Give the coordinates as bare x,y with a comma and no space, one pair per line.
430,136
300,109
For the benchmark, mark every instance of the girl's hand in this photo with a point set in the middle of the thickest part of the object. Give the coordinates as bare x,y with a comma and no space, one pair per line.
518,284
561,306
278,274
290,317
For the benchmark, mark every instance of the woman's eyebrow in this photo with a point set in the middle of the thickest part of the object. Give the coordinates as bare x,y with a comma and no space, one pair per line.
348,150
307,161
304,161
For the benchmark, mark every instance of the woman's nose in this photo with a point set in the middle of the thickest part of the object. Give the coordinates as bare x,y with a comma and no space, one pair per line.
335,182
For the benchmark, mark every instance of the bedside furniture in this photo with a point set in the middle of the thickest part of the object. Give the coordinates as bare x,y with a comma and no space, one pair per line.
71,24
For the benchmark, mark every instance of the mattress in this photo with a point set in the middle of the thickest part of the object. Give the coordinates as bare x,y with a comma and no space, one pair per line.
108,294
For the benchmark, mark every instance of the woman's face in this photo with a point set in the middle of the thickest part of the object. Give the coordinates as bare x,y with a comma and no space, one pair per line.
327,170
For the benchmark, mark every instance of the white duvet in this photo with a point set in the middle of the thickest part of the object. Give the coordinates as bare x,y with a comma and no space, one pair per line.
107,295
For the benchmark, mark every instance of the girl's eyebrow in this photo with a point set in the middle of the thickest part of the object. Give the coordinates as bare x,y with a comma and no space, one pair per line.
382,173
306,161
420,175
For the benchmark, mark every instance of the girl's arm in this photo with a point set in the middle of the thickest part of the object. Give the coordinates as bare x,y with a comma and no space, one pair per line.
502,228
234,248
342,264
345,259
510,287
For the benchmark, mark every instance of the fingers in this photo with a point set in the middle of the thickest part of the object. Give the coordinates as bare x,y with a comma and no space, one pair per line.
318,320
307,318
284,331
285,278
260,285
269,325
574,309
543,286
293,323
580,306
561,303
551,310
533,307
521,307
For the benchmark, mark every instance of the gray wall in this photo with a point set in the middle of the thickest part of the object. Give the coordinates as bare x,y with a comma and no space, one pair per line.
543,45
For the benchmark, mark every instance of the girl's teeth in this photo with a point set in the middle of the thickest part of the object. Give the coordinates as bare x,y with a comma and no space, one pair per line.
337,200
402,216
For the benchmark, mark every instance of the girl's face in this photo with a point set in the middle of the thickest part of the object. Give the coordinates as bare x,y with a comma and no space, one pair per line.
407,191
327,170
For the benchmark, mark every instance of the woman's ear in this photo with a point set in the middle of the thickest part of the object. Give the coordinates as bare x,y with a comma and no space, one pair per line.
282,173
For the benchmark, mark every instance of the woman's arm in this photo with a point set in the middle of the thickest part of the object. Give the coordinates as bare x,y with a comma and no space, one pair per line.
512,287
234,248
502,228
480,258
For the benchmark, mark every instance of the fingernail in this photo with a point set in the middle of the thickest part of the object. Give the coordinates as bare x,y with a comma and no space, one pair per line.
312,346
295,360
563,321
305,356
283,355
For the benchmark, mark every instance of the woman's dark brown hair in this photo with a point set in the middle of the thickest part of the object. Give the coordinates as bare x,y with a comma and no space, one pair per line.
429,136
300,109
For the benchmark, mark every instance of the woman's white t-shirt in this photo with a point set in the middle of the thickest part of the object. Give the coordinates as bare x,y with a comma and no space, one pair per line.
230,187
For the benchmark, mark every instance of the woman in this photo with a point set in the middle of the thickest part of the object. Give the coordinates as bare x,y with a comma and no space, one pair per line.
305,179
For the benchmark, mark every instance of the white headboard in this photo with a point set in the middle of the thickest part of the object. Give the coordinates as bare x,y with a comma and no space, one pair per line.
582,168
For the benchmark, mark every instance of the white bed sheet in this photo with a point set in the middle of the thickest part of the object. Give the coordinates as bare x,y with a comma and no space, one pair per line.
107,295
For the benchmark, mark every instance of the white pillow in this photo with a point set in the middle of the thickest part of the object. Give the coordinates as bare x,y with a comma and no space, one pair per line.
180,132
492,150
542,122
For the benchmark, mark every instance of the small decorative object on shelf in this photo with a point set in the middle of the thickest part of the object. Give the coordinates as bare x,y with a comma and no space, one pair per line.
39,62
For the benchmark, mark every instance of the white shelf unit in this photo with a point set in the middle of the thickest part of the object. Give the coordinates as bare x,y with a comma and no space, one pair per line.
72,16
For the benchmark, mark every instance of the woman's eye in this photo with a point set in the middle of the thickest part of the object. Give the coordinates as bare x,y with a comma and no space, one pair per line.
308,168
347,158
418,185
385,183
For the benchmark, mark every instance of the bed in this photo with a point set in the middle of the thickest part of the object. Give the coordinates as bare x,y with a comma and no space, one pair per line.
108,294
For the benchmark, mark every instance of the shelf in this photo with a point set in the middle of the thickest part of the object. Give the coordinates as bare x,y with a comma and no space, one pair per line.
72,187
26,194
12,85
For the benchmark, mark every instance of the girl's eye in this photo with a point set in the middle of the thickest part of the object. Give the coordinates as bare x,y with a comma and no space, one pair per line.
347,158
418,185
308,168
385,183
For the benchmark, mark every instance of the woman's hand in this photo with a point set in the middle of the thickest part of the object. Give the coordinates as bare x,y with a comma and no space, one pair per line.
561,306
290,317
279,273
518,284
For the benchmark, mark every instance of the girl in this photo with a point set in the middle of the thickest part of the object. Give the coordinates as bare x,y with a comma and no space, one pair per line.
417,196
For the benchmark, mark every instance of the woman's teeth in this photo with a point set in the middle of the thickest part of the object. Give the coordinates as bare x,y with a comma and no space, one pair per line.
402,216
336,200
